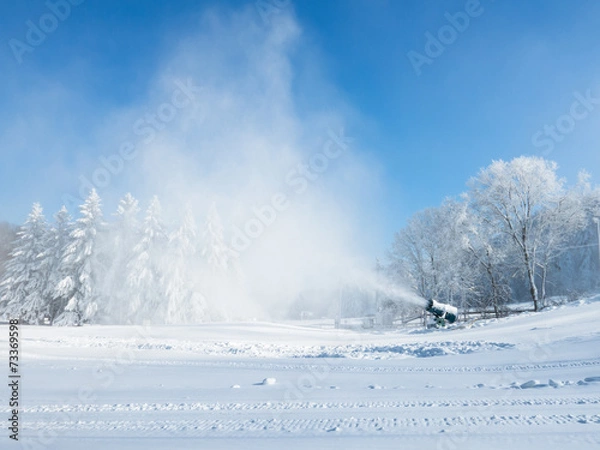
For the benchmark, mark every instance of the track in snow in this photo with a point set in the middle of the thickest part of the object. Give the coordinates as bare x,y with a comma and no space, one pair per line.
313,406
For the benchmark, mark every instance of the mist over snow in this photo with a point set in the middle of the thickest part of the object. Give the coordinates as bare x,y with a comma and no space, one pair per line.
239,118
288,194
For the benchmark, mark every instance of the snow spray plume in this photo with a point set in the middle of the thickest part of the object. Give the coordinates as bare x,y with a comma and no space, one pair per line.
272,184
370,280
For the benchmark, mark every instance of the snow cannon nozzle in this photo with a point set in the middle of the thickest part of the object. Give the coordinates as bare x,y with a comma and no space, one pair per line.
442,311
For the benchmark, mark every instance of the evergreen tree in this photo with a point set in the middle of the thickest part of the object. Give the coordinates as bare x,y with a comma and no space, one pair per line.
82,267
185,303
24,285
59,237
144,274
123,236
223,285
8,236
215,252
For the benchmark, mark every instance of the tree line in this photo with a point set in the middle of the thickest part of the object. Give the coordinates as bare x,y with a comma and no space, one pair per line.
129,271
517,234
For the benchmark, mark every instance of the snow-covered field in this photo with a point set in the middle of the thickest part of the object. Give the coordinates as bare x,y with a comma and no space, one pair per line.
526,382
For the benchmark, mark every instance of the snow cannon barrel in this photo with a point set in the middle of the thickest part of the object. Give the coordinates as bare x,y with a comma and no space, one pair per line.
442,311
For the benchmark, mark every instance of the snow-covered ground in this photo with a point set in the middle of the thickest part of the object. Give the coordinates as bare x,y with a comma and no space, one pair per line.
525,382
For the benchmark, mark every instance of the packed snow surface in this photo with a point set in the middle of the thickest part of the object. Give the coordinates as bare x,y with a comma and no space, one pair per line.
525,382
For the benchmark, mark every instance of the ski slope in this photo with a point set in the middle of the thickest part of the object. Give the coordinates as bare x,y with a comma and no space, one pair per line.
525,382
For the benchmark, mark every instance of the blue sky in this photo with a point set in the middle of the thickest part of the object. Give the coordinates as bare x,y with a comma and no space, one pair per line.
515,68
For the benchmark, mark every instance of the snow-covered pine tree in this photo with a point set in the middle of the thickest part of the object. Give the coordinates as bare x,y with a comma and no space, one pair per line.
144,274
185,303
81,265
59,236
8,236
122,239
223,285
216,253
23,288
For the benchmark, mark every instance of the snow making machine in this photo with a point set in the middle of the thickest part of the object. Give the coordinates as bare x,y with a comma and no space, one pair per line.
443,313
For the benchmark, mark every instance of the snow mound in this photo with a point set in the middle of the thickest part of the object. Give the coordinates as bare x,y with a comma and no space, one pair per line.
555,383
532,384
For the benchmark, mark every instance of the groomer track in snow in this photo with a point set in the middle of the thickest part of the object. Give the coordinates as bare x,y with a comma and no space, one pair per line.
529,381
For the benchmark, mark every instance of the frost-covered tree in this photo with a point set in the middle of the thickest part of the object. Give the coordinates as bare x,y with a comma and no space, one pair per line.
223,284
576,263
556,225
516,197
428,254
411,258
8,235
216,252
459,270
22,291
519,231
59,236
123,236
488,249
145,270
80,262
184,301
